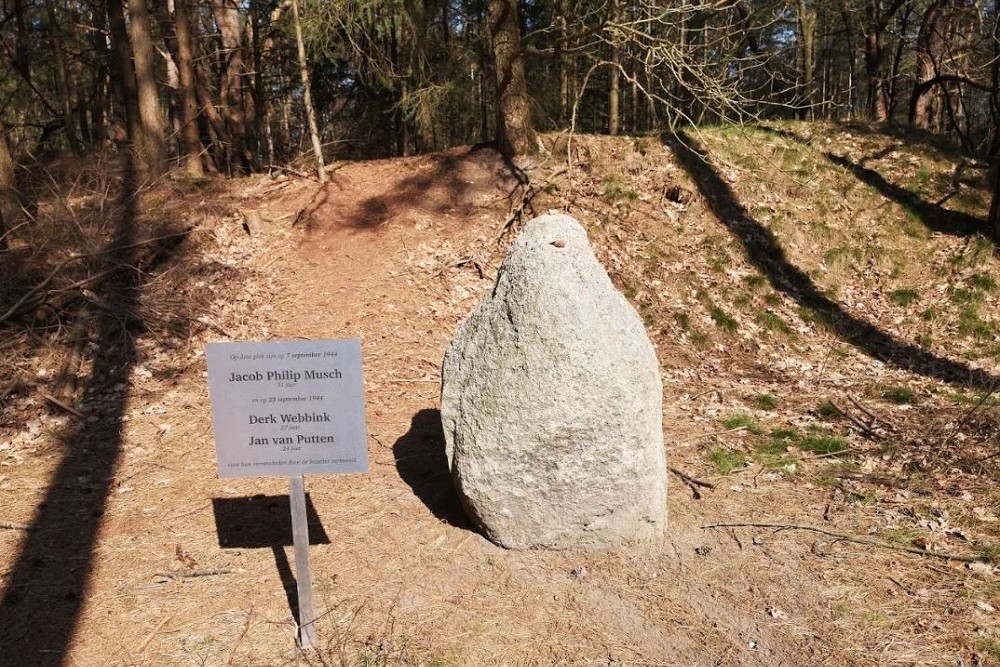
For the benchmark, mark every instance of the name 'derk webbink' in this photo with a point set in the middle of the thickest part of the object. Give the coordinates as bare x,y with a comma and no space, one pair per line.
296,418
286,376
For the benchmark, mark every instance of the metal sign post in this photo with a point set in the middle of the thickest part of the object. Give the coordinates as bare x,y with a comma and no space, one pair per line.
289,408
303,577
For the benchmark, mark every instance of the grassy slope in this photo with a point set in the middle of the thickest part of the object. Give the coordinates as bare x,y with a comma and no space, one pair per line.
824,297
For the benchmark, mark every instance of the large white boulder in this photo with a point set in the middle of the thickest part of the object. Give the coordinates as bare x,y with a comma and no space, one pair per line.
552,403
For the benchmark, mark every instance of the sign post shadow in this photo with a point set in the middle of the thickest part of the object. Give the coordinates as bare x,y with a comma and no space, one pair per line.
289,408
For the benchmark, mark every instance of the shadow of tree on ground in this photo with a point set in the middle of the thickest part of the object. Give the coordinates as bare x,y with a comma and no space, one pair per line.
44,591
765,252
933,216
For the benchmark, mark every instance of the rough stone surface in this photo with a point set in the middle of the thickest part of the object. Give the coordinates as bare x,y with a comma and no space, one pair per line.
552,403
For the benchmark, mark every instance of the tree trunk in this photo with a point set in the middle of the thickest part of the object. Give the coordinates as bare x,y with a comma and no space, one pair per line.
807,29
993,221
153,154
98,93
515,132
878,93
561,60
190,139
925,106
7,185
62,80
614,80
227,19
317,144
122,70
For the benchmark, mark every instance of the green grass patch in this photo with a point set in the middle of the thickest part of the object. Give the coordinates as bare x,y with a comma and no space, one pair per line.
772,322
828,410
901,535
983,282
755,281
929,315
683,321
766,401
786,434
743,420
823,443
726,460
990,552
816,317
970,324
722,319
989,646
701,340
617,190
842,256
961,296
960,398
900,395
904,297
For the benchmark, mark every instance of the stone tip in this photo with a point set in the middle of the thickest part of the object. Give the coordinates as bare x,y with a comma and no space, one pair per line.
556,229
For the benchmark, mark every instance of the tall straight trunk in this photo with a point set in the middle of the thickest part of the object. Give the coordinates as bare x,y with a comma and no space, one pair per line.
564,99
190,139
259,115
614,81
307,95
22,58
123,71
7,185
153,154
807,30
515,132
62,79
98,94
226,13
878,88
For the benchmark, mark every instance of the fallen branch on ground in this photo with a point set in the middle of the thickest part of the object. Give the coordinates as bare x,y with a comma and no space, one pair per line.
189,574
59,404
13,310
965,558
693,483
10,525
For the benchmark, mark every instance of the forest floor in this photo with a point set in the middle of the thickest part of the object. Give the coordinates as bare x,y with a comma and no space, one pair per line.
824,308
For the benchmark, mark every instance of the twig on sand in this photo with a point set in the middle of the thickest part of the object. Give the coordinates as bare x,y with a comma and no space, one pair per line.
189,574
692,482
65,406
965,558
149,637
10,525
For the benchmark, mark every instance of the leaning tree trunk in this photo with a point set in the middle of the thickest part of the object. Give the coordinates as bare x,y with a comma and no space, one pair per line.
307,94
515,133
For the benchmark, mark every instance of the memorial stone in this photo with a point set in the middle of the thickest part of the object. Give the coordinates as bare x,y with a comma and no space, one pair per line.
552,403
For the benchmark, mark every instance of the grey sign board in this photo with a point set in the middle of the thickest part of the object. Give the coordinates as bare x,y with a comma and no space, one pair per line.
288,408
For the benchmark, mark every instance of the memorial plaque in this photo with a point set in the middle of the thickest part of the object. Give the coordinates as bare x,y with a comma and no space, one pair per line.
287,408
